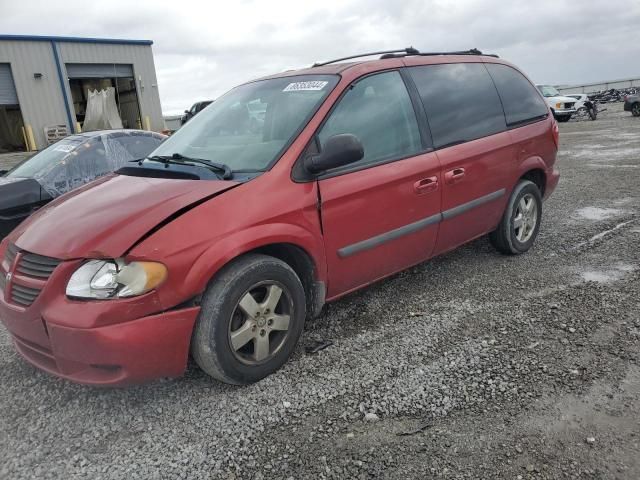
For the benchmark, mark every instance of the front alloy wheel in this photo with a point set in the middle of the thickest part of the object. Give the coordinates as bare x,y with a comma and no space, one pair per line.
260,322
251,317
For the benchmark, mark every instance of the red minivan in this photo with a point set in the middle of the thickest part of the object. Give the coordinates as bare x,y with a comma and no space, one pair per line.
286,193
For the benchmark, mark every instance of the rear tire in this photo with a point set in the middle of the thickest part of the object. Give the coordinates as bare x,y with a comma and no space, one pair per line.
251,318
520,222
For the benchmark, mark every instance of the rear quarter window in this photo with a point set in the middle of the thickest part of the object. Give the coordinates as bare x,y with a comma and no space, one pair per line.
521,101
461,102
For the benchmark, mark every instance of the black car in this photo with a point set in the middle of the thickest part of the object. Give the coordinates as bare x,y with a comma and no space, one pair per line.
632,104
65,165
194,110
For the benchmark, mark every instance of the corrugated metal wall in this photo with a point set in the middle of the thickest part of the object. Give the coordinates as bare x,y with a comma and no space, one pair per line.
41,100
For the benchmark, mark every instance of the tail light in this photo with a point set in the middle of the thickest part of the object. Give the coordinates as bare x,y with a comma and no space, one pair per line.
555,131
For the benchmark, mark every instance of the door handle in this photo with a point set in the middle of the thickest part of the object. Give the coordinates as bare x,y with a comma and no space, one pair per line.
454,176
426,185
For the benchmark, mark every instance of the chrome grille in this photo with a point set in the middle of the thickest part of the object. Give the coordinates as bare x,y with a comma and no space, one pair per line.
38,266
29,265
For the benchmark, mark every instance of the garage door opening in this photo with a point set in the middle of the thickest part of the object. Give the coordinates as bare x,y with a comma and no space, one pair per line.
88,77
11,123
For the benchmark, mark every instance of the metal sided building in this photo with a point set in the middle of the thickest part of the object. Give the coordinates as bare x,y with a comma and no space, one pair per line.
44,83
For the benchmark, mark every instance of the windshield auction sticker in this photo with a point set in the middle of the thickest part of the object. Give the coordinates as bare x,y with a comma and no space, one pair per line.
301,86
64,148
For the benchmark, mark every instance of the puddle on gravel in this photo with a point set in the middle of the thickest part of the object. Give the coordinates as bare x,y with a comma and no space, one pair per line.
607,275
596,213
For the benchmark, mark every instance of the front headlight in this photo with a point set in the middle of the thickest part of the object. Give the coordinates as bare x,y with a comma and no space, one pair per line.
106,279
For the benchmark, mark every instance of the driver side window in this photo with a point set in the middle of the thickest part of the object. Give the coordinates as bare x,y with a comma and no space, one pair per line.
378,111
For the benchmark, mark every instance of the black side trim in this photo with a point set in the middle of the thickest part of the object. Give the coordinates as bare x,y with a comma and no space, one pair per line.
465,207
388,236
378,240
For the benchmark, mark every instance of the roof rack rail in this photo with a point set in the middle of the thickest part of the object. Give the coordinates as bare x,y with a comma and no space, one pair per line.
473,51
404,52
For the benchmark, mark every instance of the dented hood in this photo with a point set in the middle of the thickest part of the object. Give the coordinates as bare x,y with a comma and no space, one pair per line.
107,217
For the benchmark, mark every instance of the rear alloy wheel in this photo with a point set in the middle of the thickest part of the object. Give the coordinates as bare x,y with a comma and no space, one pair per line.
520,222
526,219
635,109
251,318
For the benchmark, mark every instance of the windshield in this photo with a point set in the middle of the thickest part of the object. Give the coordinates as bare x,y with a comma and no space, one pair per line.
248,128
548,91
46,159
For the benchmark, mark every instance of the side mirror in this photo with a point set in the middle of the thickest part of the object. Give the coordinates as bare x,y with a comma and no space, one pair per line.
187,112
338,150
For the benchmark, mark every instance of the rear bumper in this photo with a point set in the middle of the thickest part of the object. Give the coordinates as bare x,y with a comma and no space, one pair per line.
115,355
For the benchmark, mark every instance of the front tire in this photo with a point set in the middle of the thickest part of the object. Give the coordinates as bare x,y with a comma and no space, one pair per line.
520,222
251,318
635,109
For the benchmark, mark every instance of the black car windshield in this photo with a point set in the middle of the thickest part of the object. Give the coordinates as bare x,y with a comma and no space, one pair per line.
249,127
548,91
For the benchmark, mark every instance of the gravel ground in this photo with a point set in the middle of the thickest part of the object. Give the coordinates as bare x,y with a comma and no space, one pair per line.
473,365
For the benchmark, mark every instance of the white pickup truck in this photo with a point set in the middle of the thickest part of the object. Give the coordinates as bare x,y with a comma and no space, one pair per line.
561,106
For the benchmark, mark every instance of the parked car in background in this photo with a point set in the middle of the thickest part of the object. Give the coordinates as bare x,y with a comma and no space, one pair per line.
584,106
65,165
562,106
632,104
224,239
580,98
194,110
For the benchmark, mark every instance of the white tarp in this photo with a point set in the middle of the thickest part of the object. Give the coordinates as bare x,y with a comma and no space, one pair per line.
102,111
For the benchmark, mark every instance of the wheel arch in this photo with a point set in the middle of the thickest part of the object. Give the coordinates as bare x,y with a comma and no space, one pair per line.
302,263
296,247
537,176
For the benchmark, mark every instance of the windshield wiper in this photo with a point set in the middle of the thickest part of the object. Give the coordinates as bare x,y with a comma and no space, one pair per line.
178,158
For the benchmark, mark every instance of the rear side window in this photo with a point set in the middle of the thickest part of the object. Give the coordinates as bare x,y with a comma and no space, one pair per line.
461,102
520,99
377,110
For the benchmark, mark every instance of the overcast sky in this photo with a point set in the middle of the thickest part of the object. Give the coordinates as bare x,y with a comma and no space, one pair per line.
202,49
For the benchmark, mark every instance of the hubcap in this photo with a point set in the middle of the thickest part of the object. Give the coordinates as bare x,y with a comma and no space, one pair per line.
260,322
526,219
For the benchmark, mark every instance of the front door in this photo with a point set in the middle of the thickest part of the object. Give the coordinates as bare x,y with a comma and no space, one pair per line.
381,214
